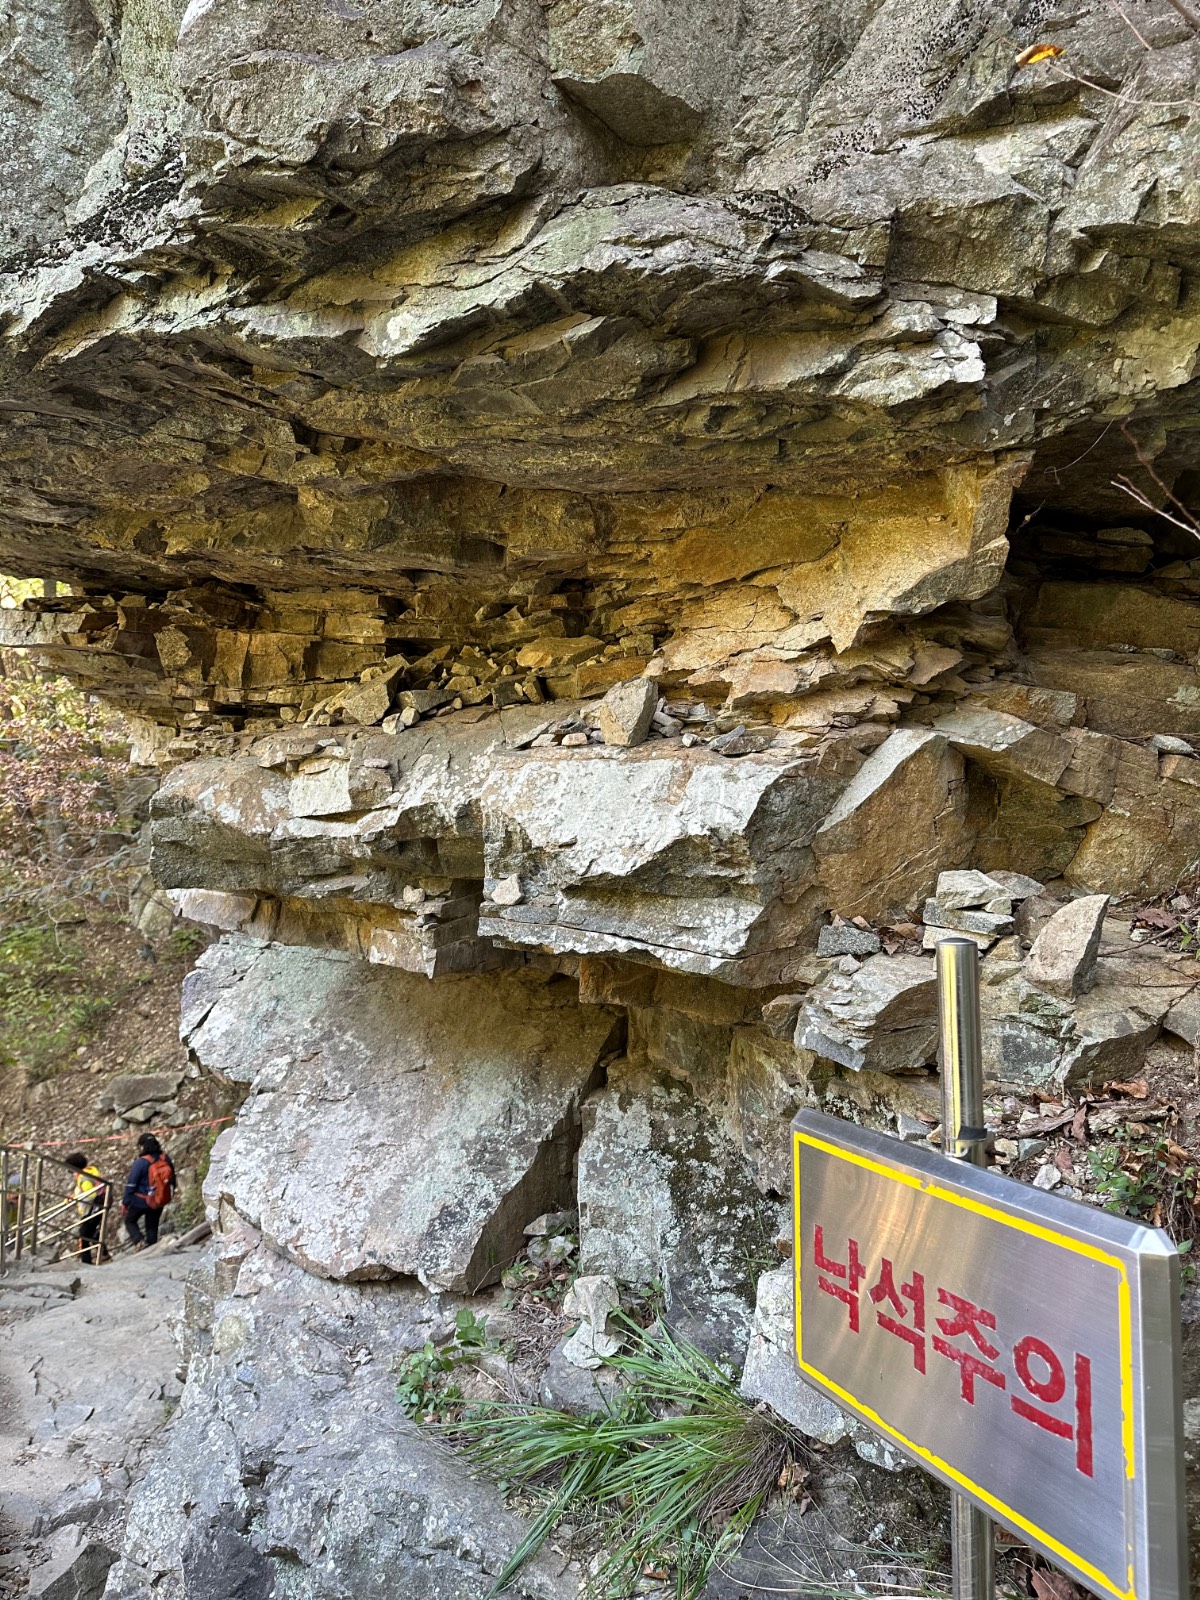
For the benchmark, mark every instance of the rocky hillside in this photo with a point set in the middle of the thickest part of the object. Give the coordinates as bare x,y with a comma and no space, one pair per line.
617,526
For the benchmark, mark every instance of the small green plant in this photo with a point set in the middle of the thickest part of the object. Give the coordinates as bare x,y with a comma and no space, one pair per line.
186,941
669,1479
427,1387
1152,1179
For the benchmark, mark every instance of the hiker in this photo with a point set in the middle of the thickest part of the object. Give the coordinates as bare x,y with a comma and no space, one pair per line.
148,1188
89,1195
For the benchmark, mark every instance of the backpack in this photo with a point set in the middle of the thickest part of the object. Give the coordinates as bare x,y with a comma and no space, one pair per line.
159,1183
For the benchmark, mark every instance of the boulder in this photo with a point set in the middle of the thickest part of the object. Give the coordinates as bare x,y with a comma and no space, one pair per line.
75,1568
1063,958
136,1096
289,1455
626,712
882,1018
662,854
770,1373
471,1087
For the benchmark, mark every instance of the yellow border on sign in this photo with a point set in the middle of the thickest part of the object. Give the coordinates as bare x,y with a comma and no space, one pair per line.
1038,1231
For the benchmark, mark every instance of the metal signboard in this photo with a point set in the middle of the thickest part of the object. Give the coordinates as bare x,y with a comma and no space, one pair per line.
1020,1346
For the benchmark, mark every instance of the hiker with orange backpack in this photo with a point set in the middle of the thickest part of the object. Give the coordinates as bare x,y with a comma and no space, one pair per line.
148,1188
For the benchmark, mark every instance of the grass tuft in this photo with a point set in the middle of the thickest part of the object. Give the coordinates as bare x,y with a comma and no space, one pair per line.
669,1479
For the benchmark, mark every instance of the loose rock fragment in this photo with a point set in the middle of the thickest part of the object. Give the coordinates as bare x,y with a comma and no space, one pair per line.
592,1298
844,939
1063,958
883,1018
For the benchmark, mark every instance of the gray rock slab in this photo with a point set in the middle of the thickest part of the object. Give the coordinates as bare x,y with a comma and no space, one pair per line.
663,853
989,924
1183,1019
291,1470
845,939
567,1387
882,1018
627,711
1063,958
131,1091
396,1124
961,890
76,1568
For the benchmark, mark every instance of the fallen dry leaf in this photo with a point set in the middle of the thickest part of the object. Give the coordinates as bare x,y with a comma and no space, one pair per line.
1155,917
1135,1089
1053,1586
1037,52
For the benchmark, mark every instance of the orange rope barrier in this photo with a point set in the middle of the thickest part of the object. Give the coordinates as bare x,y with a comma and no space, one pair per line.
111,1138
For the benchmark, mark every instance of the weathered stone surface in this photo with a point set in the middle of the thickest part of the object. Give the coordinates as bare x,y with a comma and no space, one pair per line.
844,939
76,1568
959,891
469,1087
1063,958
634,63
626,710
79,1424
873,861
566,1387
131,1091
444,370
290,1468
882,1018
665,853
664,1197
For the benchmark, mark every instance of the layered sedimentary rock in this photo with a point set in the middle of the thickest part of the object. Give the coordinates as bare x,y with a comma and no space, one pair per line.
381,388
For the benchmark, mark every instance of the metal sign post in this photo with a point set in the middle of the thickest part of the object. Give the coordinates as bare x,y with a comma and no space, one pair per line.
964,1137
1022,1347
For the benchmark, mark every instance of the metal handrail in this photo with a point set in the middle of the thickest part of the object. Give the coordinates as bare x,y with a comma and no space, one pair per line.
42,1218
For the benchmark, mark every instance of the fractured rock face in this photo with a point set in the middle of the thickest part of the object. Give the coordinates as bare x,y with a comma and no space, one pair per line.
881,1018
682,856
664,1198
634,63
370,1144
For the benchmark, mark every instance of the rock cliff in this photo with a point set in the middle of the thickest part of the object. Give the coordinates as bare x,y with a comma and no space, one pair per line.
387,383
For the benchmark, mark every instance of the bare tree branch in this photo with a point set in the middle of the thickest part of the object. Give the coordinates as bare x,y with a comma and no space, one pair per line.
1189,16
1191,521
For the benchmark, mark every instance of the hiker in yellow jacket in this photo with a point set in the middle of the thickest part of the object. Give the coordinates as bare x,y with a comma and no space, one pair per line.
88,1196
